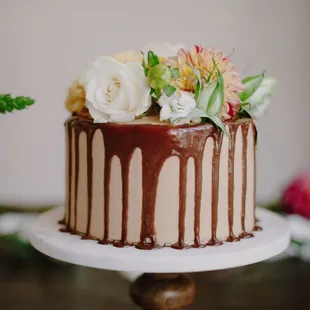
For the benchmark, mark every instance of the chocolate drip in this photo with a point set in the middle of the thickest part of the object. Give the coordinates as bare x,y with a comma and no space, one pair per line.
150,175
89,148
76,174
182,204
245,130
157,144
198,191
107,177
218,138
257,228
125,183
231,174
62,222
256,220
125,196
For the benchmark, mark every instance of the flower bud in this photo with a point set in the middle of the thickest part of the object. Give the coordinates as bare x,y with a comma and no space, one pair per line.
159,76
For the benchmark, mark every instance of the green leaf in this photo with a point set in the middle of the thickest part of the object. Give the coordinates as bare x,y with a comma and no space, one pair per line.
217,121
257,104
251,84
169,90
197,90
152,59
217,97
298,243
19,103
8,104
2,106
145,68
210,74
205,94
29,101
175,73
157,93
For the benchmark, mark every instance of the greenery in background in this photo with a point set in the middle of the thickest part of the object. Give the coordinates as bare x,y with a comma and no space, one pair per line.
17,246
9,103
16,209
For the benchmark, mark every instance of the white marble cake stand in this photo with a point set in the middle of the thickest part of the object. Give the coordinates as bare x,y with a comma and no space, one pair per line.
272,240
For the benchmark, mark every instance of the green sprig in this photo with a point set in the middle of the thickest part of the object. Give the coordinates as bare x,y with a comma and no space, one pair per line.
152,59
9,104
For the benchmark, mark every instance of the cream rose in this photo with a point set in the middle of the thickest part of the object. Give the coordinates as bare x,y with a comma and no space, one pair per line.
116,92
179,108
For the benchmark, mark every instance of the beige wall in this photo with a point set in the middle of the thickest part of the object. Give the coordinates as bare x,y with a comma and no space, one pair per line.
46,44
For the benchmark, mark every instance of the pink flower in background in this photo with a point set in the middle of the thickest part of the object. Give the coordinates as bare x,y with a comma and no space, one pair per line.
296,198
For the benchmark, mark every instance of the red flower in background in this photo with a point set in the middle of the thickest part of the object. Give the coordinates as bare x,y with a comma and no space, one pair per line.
296,198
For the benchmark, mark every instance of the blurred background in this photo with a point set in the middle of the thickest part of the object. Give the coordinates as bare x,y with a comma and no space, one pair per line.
45,45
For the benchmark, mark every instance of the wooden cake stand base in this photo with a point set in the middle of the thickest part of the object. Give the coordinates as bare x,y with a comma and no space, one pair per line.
164,284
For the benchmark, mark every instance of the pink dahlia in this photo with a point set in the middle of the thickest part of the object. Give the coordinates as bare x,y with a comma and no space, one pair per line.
203,60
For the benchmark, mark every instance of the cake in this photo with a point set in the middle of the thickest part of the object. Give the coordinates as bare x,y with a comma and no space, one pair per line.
161,149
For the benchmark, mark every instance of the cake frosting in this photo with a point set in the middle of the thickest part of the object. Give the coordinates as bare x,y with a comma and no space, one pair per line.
175,168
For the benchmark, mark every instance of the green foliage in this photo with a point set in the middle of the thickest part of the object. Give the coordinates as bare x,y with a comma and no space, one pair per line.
9,104
256,105
175,73
217,121
152,59
169,90
211,100
159,76
145,68
217,97
251,84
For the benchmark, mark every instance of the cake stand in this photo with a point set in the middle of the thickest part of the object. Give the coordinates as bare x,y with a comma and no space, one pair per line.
164,284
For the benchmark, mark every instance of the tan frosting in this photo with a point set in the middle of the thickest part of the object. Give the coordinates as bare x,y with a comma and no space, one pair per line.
167,197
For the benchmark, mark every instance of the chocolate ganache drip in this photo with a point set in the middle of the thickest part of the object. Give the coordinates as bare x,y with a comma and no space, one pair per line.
245,130
231,182
157,144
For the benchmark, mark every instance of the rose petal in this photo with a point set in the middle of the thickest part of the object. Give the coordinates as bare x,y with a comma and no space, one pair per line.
98,116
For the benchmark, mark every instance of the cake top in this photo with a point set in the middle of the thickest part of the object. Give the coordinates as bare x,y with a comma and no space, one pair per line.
174,84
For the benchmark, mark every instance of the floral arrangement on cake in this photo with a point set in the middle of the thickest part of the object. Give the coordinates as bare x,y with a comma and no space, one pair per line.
181,86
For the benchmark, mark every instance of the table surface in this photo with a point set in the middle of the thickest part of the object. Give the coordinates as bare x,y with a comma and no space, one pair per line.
35,283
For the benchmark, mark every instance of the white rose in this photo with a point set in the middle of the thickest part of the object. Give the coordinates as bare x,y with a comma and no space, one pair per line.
116,92
179,108
162,49
260,99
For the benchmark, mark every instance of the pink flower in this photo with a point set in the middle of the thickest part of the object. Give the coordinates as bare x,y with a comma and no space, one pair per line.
203,59
296,198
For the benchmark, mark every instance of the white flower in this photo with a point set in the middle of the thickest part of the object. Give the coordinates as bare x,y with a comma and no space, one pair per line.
116,92
179,108
162,49
260,99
